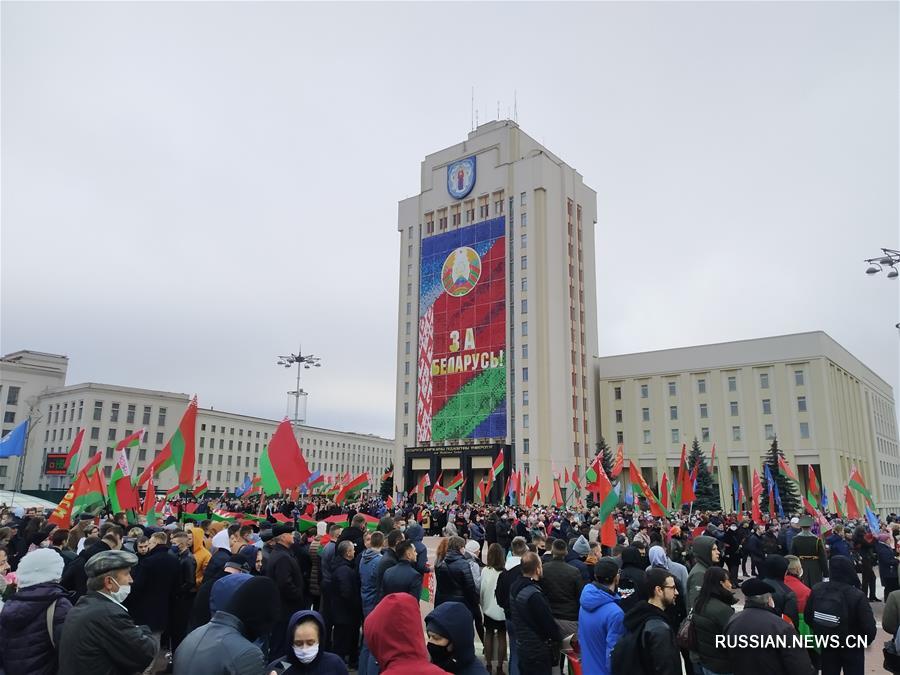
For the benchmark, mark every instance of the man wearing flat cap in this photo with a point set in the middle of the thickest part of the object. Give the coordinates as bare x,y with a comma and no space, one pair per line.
99,636
811,551
757,622
284,569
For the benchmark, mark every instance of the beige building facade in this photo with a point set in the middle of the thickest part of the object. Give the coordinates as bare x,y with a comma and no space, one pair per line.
227,444
826,407
546,316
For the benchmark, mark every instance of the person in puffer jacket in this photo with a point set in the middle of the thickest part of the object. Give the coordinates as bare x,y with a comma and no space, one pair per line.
307,656
455,582
600,619
26,646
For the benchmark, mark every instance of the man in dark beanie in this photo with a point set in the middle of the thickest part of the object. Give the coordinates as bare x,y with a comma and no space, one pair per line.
746,628
284,570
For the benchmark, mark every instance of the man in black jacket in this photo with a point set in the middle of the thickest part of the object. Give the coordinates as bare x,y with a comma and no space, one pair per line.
402,577
284,570
501,594
74,577
658,652
562,585
347,605
99,636
504,532
157,577
537,633
187,587
354,534
388,560
823,614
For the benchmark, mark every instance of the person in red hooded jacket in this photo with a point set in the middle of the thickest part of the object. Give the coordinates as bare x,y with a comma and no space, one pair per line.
396,637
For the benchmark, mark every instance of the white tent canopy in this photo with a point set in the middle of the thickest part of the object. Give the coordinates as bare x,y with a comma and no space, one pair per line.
9,498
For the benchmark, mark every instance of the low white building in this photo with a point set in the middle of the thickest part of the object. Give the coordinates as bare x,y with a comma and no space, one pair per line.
826,407
227,444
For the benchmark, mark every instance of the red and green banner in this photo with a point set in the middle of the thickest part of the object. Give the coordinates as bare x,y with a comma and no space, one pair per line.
282,465
179,452
429,587
756,490
813,494
457,482
496,468
359,483
858,484
837,505
438,488
850,501
656,507
200,490
461,364
73,451
619,464
424,482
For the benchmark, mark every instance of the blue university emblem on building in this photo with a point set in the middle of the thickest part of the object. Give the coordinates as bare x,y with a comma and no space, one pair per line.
461,177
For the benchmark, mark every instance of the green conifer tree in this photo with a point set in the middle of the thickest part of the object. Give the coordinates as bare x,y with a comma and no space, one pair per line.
707,492
790,498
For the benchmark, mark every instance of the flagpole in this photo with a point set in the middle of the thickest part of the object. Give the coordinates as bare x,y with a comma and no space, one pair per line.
20,469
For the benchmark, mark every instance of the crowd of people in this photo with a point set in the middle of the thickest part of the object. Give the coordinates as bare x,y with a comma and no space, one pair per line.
316,588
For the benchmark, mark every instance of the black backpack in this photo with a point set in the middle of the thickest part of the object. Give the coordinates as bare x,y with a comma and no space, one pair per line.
830,611
628,654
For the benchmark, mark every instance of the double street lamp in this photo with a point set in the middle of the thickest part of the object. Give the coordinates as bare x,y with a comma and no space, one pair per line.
889,260
301,360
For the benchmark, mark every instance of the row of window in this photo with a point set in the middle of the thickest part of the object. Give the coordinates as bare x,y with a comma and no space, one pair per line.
799,380
736,435
704,410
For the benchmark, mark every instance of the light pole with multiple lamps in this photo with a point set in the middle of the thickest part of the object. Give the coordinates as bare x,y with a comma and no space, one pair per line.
889,259
302,360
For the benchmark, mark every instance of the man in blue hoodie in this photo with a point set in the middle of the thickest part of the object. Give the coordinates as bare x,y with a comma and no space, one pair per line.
600,618
368,569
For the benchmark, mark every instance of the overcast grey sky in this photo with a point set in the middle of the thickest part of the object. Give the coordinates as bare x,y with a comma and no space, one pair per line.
189,190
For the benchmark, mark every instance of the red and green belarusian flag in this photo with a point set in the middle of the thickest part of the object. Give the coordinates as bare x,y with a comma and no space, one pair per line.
387,474
532,493
73,451
850,501
437,487
149,507
200,489
123,495
457,482
619,464
837,505
424,482
858,484
282,465
684,486
179,452
316,481
664,491
86,491
813,494
557,493
429,587
496,468
359,483
656,507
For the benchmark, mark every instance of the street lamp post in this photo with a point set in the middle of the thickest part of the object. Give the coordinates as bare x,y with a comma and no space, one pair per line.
302,360
889,259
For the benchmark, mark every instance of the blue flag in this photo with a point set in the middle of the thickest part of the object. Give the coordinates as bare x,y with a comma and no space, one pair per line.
873,521
735,493
13,444
778,500
824,498
629,494
246,486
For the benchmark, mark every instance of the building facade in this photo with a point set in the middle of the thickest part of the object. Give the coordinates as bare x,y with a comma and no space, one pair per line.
227,444
497,313
826,408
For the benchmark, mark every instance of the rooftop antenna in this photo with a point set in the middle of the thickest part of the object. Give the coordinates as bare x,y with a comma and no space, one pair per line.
515,107
498,109
472,122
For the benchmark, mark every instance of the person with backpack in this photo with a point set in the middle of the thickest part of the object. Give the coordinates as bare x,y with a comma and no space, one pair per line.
600,619
774,568
756,622
710,615
648,644
838,607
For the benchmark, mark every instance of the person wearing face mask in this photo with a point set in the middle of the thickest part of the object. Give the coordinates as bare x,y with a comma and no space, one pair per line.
99,635
600,617
451,640
307,657
228,644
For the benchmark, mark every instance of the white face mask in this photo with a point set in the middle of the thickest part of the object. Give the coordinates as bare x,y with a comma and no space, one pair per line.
120,595
306,654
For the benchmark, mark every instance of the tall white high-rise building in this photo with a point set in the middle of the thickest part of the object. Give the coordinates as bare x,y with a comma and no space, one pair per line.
497,314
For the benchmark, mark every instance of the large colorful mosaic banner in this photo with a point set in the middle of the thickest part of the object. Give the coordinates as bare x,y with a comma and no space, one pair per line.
462,334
